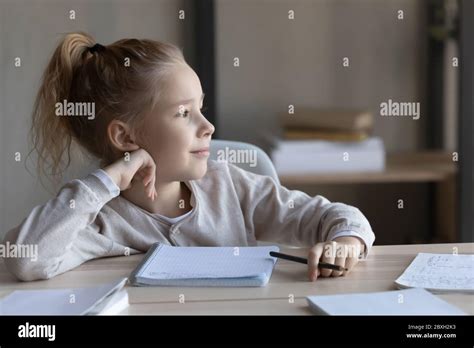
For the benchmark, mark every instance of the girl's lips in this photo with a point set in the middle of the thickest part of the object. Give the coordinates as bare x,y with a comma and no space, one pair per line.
203,153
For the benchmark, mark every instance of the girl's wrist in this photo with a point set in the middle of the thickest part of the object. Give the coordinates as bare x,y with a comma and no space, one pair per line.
114,171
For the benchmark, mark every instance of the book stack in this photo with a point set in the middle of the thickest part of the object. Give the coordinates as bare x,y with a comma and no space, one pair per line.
331,125
327,141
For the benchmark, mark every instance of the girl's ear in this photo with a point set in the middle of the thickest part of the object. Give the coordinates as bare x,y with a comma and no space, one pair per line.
121,136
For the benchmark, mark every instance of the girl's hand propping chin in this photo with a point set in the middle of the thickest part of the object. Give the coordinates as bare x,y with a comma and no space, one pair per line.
138,164
342,251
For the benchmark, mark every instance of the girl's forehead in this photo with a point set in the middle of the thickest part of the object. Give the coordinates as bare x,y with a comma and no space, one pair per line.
183,82
182,85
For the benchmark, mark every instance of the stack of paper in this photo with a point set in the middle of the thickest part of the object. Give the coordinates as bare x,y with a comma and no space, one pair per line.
205,266
103,299
401,302
115,304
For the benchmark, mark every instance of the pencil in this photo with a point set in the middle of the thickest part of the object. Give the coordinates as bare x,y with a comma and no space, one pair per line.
305,261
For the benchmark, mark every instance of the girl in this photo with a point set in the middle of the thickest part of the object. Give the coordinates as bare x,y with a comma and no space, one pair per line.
156,183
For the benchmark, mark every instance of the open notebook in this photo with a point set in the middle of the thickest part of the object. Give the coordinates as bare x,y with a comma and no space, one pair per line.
205,266
439,273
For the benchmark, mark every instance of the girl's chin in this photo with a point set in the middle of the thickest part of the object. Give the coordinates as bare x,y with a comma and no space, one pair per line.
197,172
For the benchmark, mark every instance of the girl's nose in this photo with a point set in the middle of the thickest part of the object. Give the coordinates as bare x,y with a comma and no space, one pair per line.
207,128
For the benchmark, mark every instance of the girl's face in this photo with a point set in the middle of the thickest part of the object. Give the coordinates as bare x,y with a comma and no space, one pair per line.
176,129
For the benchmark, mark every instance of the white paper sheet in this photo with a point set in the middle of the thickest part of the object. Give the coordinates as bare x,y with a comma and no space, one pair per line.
72,301
439,272
400,302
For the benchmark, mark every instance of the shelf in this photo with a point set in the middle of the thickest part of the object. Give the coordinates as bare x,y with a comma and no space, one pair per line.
400,168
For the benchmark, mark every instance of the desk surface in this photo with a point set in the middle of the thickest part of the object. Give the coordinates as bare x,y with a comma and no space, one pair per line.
377,273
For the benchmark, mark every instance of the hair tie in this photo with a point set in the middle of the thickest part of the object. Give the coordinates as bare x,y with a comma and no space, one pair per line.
96,48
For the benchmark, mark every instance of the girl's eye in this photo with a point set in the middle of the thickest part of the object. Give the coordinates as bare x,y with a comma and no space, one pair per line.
185,113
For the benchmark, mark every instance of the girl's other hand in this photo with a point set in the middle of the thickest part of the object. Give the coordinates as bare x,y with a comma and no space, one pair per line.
343,251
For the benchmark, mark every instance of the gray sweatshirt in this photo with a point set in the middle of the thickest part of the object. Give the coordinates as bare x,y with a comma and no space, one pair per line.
89,219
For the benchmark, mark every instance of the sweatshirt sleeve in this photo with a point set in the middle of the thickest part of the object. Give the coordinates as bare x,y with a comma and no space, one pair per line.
65,231
292,217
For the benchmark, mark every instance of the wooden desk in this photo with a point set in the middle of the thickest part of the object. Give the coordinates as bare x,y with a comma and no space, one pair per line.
377,273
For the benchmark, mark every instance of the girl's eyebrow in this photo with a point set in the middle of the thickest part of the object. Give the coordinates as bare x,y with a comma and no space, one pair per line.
185,102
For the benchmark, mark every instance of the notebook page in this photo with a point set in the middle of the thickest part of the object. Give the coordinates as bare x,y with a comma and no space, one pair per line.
444,272
168,262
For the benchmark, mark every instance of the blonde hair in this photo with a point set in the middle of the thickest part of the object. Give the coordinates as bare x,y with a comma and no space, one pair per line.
118,90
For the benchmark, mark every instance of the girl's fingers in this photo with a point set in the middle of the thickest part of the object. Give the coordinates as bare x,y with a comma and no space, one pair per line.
342,253
328,256
151,183
148,169
313,260
147,180
339,261
350,263
353,256
152,186
151,189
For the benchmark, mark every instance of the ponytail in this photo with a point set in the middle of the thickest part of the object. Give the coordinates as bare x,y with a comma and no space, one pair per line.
51,135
